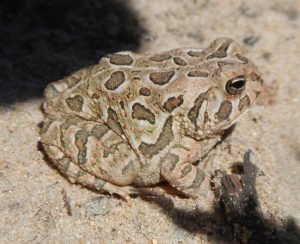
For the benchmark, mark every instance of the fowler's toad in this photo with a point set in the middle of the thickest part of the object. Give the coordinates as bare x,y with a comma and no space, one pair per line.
139,119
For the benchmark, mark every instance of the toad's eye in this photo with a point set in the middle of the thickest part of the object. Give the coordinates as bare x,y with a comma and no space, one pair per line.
236,85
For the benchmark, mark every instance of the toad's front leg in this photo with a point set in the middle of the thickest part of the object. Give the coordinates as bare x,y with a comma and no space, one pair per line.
179,171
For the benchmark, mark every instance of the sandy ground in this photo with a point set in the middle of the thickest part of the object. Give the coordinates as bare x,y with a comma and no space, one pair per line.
42,41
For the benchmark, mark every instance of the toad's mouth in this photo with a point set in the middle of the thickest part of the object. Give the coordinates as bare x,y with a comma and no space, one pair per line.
220,127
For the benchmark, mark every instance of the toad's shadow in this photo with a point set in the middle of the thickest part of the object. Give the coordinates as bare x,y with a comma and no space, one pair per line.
218,229
43,41
236,219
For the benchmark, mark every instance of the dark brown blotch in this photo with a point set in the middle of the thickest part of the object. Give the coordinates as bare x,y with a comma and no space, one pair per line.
196,53
197,73
172,103
244,103
74,119
199,178
160,57
164,139
194,111
99,131
116,79
169,162
179,61
81,138
224,111
144,91
75,103
187,169
242,58
69,121
140,112
121,59
122,104
222,63
221,52
61,134
112,149
95,96
80,173
161,78
113,122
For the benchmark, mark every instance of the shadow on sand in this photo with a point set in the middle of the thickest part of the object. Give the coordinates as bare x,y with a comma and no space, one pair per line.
43,41
235,219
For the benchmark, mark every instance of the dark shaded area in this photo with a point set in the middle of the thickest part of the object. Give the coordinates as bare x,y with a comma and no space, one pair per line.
236,217
43,41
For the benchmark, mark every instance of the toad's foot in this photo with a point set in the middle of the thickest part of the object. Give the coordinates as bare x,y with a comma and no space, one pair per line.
126,191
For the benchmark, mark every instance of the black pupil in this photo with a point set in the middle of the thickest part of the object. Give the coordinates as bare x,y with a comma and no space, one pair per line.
238,84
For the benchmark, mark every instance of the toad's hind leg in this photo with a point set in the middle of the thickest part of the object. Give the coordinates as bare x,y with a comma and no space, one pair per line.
92,155
76,175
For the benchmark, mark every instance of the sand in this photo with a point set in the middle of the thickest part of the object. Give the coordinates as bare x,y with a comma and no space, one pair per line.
44,41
